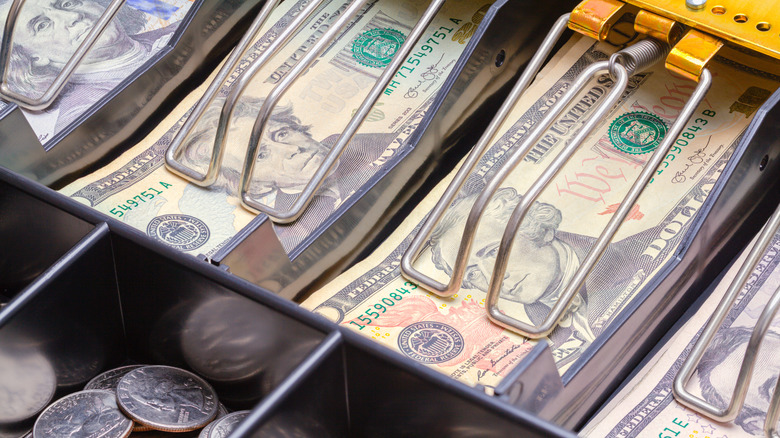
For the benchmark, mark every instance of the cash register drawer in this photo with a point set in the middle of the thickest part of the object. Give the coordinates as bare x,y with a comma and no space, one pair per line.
90,293
115,297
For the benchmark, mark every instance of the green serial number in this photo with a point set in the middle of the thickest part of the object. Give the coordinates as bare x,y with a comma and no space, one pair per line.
415,59
373,314
131,203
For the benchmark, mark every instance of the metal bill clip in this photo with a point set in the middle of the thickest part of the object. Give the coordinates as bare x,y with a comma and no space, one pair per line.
729,413
47,97
273,98
620,66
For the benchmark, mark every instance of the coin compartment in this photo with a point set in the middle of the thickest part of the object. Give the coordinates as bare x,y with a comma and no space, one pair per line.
34,235
118,298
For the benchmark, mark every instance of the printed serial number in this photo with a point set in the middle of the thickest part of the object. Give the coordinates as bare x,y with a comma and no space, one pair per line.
684,139
415,59
372,314
131,203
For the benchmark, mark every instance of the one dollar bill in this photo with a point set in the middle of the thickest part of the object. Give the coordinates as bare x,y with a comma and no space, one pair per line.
453,335
138,189
646,406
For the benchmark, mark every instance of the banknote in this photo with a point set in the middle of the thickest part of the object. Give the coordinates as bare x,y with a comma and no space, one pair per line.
138,189
47,34
646,406
453,335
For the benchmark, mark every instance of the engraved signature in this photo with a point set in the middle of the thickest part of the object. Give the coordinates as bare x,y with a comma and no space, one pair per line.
494,362
429,75
698,157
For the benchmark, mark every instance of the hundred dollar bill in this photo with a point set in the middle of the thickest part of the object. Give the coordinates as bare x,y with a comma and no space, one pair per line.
48,33
646,406
138,189
453,335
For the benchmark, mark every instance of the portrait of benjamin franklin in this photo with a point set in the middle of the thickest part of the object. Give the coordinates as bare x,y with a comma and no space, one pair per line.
48,33
720,365
540,266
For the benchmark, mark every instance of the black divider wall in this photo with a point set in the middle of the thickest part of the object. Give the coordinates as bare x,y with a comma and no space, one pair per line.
390,397
311,402
33,235
177,316
62,329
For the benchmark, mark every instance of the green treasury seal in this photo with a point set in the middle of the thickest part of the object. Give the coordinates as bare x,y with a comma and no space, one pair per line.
637,132
376,47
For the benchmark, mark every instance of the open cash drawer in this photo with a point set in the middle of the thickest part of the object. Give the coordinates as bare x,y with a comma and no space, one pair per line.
154,285
115,297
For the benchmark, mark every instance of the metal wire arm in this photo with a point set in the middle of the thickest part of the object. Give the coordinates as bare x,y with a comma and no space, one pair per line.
411,254
307,195
620,66
763,323
51,93
174,150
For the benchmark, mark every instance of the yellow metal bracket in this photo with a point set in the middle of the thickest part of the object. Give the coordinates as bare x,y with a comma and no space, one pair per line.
658,27
751,24
594,18
689,56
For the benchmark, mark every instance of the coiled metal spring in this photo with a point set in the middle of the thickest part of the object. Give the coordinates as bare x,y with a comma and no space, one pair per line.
639,56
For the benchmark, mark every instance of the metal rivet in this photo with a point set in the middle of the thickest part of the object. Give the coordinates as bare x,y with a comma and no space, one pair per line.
696,5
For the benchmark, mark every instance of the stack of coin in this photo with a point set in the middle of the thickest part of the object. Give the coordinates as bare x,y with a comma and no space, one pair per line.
147,401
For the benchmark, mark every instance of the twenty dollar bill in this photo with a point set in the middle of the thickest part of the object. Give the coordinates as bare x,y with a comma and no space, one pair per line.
646,407
453,335
138,189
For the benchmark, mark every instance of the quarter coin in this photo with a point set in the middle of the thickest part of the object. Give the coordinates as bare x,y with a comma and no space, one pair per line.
92,413
222,411
204,433
27,384
226,425
167,398
110,379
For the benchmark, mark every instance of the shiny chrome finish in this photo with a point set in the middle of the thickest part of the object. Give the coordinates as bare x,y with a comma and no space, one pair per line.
174,150
51,93
307,195
436,214
729,413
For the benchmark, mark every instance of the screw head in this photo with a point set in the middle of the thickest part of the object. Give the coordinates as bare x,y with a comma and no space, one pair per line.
696,5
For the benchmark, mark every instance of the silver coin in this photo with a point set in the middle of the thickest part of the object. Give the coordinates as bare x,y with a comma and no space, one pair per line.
204,433
167,398
227,424
110,379
222,411
92,413
27,384
224,340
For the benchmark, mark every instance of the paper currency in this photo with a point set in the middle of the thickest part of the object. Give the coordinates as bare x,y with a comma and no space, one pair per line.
646,406
47,34
139,190
453,335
